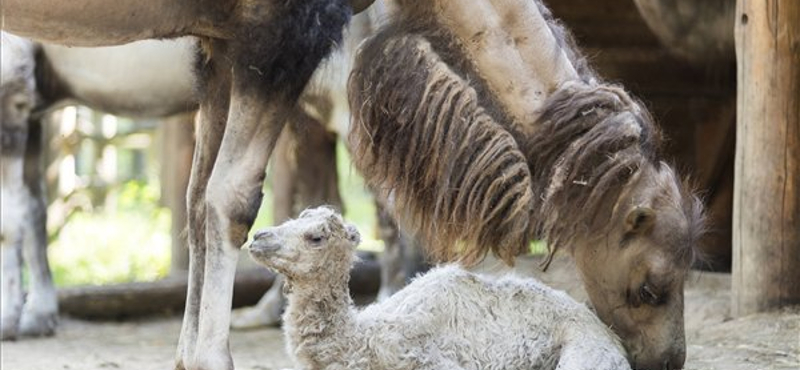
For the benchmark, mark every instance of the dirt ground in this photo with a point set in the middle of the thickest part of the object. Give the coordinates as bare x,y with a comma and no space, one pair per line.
715,341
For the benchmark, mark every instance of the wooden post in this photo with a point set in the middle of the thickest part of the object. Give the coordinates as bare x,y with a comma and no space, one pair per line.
766,240
177,149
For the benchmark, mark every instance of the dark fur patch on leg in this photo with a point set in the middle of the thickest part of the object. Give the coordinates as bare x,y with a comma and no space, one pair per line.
246,215
281,43
420,136
242,215
204,65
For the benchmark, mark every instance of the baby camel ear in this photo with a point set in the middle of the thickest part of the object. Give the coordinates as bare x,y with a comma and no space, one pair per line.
353,235
640,219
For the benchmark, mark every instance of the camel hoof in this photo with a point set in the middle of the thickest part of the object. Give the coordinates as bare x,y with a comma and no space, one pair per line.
38,324
212,361
255,317
179,365
8,331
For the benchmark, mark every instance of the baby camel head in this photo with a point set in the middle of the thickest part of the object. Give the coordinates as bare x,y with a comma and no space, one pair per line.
317,246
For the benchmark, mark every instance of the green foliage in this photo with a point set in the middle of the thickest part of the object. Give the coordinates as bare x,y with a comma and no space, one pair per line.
358,203
359,207
538,247
129,242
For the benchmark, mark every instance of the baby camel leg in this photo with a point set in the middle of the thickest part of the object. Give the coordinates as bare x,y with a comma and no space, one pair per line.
210,128
233,197
583,349
402,258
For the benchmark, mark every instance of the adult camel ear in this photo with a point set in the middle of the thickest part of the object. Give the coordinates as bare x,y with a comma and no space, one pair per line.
359,5
640,219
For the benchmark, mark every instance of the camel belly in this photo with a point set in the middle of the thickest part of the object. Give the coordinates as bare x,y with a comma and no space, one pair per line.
146,78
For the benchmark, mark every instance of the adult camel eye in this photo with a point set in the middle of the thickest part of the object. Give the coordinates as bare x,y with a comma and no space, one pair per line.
648,296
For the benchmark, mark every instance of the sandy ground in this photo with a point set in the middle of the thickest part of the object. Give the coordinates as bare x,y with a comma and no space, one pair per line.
714,340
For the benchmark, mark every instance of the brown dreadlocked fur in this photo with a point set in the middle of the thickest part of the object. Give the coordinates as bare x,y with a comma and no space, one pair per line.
427,132
590,141
454,173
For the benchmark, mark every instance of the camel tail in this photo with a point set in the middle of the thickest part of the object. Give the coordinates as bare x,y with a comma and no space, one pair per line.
451,172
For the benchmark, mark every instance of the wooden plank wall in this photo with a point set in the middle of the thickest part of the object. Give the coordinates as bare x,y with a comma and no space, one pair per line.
695,105
766,239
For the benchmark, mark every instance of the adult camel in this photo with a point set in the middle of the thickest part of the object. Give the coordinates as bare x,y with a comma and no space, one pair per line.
149,78
491,131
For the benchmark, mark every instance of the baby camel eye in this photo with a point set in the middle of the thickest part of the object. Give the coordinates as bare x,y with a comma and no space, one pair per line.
315,238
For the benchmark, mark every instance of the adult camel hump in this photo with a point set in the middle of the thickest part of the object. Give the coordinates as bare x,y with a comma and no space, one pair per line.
254,59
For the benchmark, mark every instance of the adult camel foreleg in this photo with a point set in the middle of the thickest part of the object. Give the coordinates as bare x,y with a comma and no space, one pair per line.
210,126
268,310
276,49
233,197
303,175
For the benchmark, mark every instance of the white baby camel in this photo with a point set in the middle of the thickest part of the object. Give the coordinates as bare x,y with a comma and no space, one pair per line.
447,319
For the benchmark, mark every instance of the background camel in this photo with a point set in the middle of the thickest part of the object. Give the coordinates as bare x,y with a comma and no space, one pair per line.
484,151
447,318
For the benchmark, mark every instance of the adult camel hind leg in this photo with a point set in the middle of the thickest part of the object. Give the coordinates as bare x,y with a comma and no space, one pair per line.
275,51
403,257
40,312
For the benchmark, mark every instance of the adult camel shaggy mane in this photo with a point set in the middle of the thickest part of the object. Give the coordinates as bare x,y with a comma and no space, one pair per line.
582,170
470,180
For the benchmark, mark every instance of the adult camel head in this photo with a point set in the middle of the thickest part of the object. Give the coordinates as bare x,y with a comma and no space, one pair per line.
635,268
488,132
